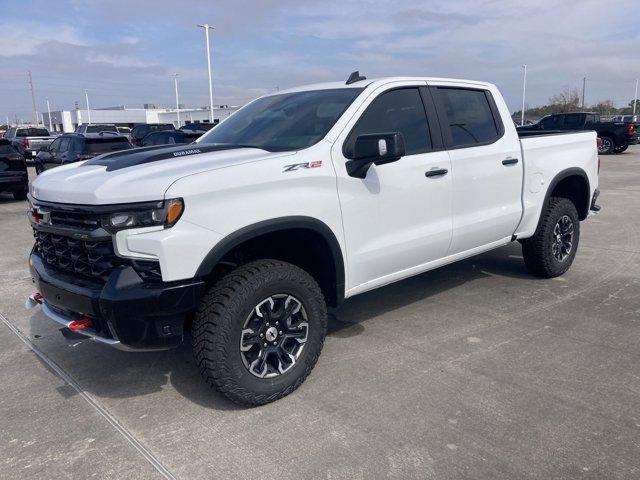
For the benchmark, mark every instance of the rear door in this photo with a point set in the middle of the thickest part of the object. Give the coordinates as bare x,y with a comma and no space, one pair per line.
486,166
397,218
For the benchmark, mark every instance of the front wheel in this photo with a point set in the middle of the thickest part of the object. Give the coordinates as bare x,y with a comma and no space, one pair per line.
551,250
259,331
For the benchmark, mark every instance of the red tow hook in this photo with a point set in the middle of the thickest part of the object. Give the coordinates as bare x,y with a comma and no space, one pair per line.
34,300
82,323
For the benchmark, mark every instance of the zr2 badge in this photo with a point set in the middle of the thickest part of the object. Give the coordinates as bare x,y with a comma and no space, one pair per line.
298,166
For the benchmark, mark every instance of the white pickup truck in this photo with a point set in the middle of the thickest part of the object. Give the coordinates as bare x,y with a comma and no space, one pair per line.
297,201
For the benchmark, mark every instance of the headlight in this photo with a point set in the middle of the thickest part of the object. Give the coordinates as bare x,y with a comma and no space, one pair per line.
153,214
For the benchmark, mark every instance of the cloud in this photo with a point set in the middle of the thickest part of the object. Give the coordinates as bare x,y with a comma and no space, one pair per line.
125,52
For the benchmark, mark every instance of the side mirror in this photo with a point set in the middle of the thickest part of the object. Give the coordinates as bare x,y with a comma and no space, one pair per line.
378,148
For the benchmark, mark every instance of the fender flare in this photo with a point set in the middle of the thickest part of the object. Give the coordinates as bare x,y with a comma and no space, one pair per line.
248,232
569,172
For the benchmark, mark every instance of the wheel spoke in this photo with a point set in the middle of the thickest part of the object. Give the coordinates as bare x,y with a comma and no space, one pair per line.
259,365
274,335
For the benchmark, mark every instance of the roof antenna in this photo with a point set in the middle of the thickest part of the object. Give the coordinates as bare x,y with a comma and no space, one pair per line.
355,77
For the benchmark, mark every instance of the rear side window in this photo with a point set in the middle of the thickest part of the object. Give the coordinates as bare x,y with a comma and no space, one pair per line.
469,116
99,145
395,111
573,120
140,131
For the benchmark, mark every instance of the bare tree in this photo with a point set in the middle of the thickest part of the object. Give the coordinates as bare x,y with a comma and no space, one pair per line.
567,100
605,107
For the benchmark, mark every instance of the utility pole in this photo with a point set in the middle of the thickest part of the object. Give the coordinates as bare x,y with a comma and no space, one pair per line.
33,98
86,96
524,92
49,112
207,27
635,98
175,82
584,85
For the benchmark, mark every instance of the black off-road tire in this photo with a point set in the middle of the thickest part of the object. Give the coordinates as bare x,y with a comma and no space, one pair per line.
608,146
538,250
219,321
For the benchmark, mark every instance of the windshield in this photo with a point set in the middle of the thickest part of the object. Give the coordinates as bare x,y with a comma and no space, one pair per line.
291,121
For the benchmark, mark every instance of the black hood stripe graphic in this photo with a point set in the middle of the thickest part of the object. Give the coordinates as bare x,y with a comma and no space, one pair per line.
140,156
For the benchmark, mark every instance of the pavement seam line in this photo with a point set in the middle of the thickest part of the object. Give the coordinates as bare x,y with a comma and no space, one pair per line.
144,451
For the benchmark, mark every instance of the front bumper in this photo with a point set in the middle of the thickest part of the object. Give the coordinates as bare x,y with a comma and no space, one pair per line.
126,312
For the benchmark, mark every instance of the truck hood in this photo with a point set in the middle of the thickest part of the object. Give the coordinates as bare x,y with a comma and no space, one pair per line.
137,175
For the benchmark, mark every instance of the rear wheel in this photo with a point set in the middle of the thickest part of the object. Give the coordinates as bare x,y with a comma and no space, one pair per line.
606,146
259,331
620,149
551,250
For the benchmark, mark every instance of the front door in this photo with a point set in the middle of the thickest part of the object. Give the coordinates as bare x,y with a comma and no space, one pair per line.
398,218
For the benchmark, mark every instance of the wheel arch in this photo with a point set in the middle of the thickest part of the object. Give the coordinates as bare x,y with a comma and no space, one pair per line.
573,184
323,259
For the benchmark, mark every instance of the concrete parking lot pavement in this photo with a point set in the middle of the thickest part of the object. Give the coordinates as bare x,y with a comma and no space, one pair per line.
476,370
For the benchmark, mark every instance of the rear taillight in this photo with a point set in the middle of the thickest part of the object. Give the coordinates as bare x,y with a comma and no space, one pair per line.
17,157
598,146
25,143
631,128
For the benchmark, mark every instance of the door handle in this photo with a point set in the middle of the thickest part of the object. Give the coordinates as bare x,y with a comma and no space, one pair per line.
509,161
436,172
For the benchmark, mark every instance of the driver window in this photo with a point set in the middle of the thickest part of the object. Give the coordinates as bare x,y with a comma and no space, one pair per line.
398,110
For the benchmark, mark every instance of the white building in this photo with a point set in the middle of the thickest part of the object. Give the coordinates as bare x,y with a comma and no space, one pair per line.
68,120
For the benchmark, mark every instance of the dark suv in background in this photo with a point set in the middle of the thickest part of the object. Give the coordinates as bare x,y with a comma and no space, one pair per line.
13,171
140,131
74,147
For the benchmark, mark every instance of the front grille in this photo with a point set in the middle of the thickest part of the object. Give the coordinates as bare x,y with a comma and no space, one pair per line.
90,258
82,220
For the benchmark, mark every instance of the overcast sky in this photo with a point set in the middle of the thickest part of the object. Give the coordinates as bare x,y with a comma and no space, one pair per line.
124,52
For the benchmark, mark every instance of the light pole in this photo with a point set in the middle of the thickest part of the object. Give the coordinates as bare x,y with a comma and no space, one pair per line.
208,27
635,98
584,87
175,83
49,112
524,92
86,96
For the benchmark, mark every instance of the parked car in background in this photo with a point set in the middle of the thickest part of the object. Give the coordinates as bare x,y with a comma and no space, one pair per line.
124,130
300,199
169,137
28,140
198,127
616,136
97,128
74,147
140,131
13,171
